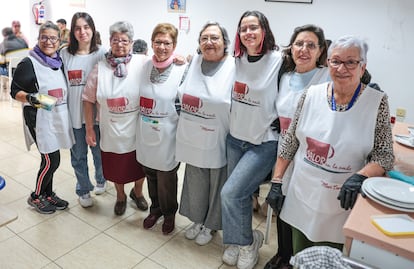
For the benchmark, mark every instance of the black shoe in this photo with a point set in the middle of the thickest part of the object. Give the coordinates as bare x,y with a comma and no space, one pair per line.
59,203
277,262
139,201
41,205
168,225
150,221
120,207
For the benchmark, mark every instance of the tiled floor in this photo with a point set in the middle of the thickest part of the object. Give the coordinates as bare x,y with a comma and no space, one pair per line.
93,237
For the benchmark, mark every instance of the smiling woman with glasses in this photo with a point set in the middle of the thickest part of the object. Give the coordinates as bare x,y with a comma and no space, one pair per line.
205,112
303,66
118,76
340,135
37,77
157,125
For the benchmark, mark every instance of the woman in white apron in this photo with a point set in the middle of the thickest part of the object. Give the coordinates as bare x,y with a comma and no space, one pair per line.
251,143
79,57
339,136
49,126
114,86
157,125
303,66
202,129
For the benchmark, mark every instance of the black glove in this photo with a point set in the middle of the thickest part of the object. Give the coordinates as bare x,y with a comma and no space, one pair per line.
32,99
349,191
275,197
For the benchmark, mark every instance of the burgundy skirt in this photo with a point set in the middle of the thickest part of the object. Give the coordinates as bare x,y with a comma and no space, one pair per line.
121,168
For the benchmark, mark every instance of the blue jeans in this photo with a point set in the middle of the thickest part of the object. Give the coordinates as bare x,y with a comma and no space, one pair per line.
79,160
247,165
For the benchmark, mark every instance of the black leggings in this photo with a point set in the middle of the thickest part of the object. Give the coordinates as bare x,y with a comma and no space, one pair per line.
48,165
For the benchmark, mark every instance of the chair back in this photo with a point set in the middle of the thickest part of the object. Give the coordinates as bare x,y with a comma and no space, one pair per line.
14,58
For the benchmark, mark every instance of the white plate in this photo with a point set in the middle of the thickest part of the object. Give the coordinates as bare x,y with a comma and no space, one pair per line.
367,188
404,140
393,189
389,205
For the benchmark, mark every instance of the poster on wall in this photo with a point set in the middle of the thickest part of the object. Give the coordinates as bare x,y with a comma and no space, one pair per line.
176,6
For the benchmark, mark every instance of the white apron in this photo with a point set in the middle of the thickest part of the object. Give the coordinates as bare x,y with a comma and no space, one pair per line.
205,115
286,104
53,128
332,148
158,118
119,104
254,95
77,69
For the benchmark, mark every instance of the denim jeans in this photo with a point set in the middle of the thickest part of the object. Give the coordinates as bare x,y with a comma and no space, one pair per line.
247,165
79,160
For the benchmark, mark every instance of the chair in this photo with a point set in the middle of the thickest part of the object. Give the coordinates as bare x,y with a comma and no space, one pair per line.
14,58
4,81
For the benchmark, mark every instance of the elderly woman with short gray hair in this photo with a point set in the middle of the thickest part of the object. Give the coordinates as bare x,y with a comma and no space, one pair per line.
113,86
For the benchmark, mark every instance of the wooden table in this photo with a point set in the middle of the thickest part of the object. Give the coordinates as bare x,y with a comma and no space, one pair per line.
364,242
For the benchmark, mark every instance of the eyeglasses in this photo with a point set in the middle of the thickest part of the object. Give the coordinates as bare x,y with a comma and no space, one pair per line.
120,41
167,45
252,28
350,64
308,45
213,39
45,38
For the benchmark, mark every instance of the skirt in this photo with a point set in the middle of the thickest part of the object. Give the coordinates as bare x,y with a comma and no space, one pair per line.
121,168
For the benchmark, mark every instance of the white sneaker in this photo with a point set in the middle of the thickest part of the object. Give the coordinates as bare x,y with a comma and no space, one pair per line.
231,255
249,255
204,237
100,188
86,200
193,231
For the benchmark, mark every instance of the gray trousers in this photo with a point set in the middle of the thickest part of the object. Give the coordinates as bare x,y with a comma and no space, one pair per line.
200,197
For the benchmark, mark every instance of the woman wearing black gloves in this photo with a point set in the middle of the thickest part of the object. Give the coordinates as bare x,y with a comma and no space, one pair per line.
50,127
334,148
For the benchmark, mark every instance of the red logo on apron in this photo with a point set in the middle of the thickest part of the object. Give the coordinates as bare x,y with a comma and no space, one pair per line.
58,93
146,105
318,152
240,90
117,105
75,77
191,103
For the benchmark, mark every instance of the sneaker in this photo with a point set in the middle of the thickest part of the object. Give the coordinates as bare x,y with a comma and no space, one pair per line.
100,188
231,255
41,205
192,232
249,255
60,204
204,237
86,200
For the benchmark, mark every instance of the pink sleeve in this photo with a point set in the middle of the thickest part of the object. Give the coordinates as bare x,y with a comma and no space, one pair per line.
89,91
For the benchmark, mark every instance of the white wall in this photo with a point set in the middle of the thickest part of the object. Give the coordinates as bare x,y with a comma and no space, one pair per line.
387,25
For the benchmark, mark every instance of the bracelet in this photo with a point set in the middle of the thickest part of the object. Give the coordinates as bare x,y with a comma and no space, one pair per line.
277,180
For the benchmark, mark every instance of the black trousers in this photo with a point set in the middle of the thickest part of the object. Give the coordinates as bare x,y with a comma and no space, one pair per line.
162,189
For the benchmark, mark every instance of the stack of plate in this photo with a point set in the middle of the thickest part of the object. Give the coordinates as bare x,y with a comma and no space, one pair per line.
390,193
406,140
